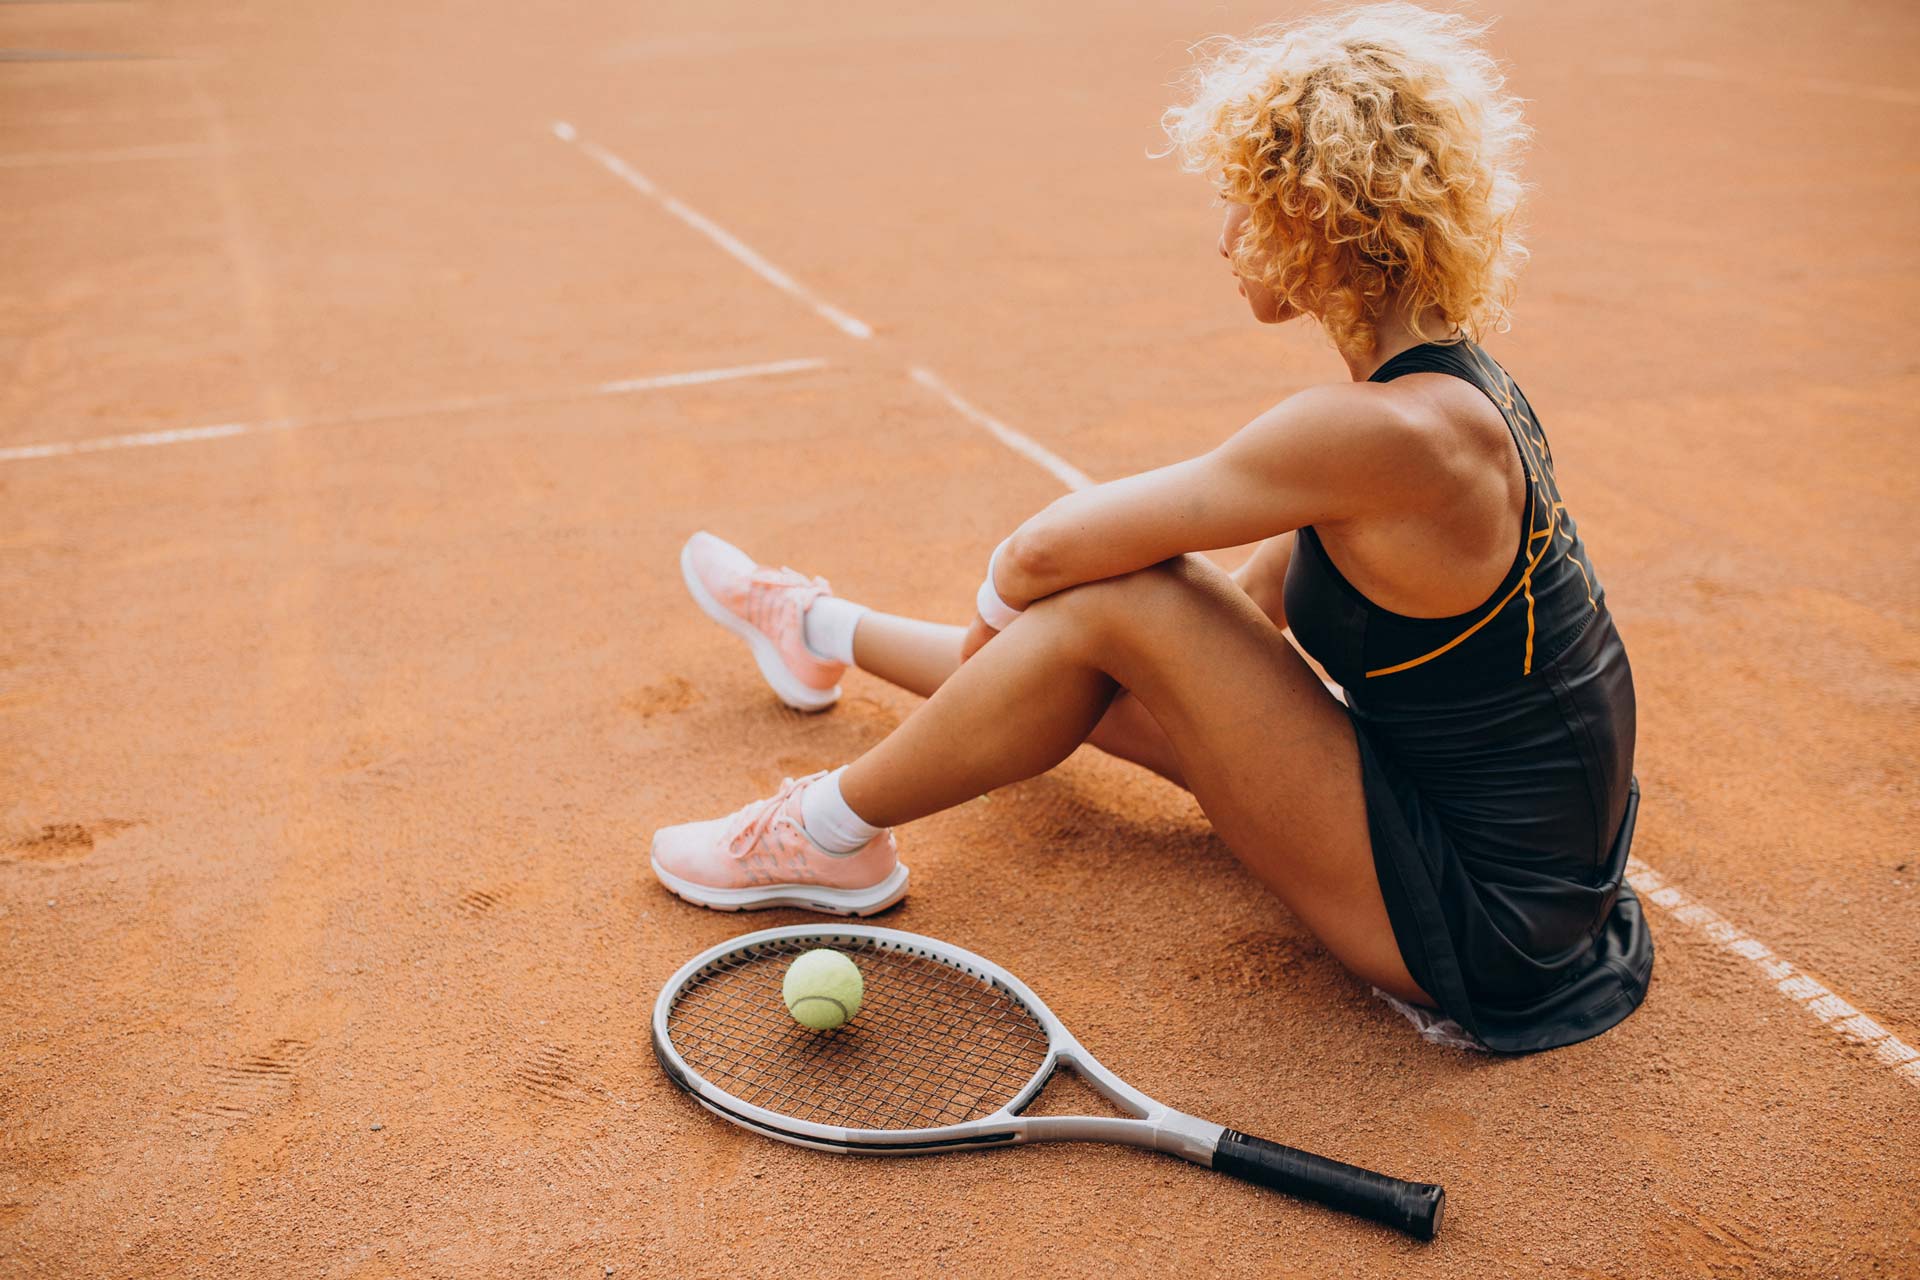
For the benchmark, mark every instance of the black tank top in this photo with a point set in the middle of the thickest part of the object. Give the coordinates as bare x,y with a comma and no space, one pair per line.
1497,759
1548,597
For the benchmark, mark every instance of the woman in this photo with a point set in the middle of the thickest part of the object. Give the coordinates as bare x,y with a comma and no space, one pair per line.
1456,833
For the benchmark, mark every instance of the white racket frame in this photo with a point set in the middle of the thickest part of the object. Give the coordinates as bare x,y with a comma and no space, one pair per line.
1148,1123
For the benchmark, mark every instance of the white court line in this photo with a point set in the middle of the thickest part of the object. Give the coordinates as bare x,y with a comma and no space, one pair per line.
179,435
1027,447
700,376
1841,1017
848,324
1022,444
172,151
182,435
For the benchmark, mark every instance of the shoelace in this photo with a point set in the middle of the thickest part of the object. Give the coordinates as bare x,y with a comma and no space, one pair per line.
768,598
784,576
754,827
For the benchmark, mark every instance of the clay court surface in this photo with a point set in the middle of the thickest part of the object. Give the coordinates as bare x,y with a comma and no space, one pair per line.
331,741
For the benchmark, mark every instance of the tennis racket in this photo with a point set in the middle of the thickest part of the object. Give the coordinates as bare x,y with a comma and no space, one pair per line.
946,1052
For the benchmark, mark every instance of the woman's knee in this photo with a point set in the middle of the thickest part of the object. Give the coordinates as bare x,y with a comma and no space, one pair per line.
1107,598
1114,609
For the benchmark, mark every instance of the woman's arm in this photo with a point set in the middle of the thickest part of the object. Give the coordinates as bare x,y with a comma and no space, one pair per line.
1327,454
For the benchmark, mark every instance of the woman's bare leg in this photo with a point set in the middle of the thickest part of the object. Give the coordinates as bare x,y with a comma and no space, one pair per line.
1268,753
920,656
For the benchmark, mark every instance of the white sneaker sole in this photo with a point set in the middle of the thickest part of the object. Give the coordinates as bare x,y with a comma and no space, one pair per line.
811,897
773,668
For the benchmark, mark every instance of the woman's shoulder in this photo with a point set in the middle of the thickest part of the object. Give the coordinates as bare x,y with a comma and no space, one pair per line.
1386,447
1416,416
1447,419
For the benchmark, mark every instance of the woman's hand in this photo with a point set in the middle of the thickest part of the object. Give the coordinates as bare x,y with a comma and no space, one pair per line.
977,635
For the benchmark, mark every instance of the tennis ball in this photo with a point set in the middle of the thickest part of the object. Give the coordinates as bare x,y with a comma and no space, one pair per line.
822,989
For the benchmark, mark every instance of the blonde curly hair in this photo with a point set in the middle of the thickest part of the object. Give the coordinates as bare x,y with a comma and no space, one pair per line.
1378,158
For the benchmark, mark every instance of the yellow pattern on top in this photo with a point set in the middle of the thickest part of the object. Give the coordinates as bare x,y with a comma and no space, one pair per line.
1537,464
1490,615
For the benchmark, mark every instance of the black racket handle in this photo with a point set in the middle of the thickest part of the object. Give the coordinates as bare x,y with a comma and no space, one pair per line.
1412,1207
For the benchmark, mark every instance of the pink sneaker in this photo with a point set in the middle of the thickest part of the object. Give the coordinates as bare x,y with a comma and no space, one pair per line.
764,607
760,856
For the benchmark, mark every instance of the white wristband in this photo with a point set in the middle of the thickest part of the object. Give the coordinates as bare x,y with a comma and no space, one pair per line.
994,611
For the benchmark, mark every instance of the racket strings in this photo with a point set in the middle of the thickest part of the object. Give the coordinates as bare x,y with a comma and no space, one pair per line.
931,1046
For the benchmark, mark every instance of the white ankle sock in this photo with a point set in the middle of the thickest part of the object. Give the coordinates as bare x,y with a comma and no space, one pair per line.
827,629
827,819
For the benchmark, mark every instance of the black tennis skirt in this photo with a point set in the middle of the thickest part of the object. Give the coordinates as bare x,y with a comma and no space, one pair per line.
1501,827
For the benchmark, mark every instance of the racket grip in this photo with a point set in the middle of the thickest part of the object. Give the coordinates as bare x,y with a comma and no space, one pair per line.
1412,1207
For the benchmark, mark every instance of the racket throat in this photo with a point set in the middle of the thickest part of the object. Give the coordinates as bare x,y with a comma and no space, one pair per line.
1161,1129
1189,1137
1149,1122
